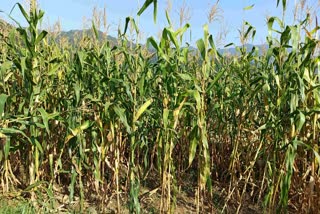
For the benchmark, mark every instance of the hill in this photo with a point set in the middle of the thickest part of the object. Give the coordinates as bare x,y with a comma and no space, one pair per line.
75,35
235,50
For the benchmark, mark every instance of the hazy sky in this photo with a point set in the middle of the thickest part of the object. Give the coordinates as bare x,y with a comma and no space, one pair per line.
232,15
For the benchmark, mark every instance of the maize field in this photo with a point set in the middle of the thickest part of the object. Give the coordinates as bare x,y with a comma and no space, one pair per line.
99,122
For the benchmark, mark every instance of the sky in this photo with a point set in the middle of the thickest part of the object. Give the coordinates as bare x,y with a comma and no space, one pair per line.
71,14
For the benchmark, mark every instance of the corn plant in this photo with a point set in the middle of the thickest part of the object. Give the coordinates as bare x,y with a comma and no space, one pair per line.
92,120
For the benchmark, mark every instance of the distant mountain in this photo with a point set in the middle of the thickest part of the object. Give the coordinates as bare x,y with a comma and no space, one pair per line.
234,50
75,35
72,35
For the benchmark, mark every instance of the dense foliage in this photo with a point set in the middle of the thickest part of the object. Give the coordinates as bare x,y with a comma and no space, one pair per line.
97,120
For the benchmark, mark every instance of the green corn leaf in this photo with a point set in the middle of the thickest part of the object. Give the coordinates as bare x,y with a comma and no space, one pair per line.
216,79
130,20
301,121
154,44
196,95
146,5
78,130
284,4
314,30
211,42
40,14
141,85
228,45
205,33
45,119
7,146
263,127
250,28
77,90
165,117
34,185
302,89
8,131
285,36
193,144
36,143
24,13
186,77
172,37
142,109
201,48
270,23
85,125
5,66
126,25
155,10
3,100
72,184
249,7
41,36
123,118
54,69
266,87
182,30
276,77
168,18
295,37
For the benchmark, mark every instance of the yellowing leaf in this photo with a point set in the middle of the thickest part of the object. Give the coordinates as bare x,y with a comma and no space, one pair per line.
142,109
